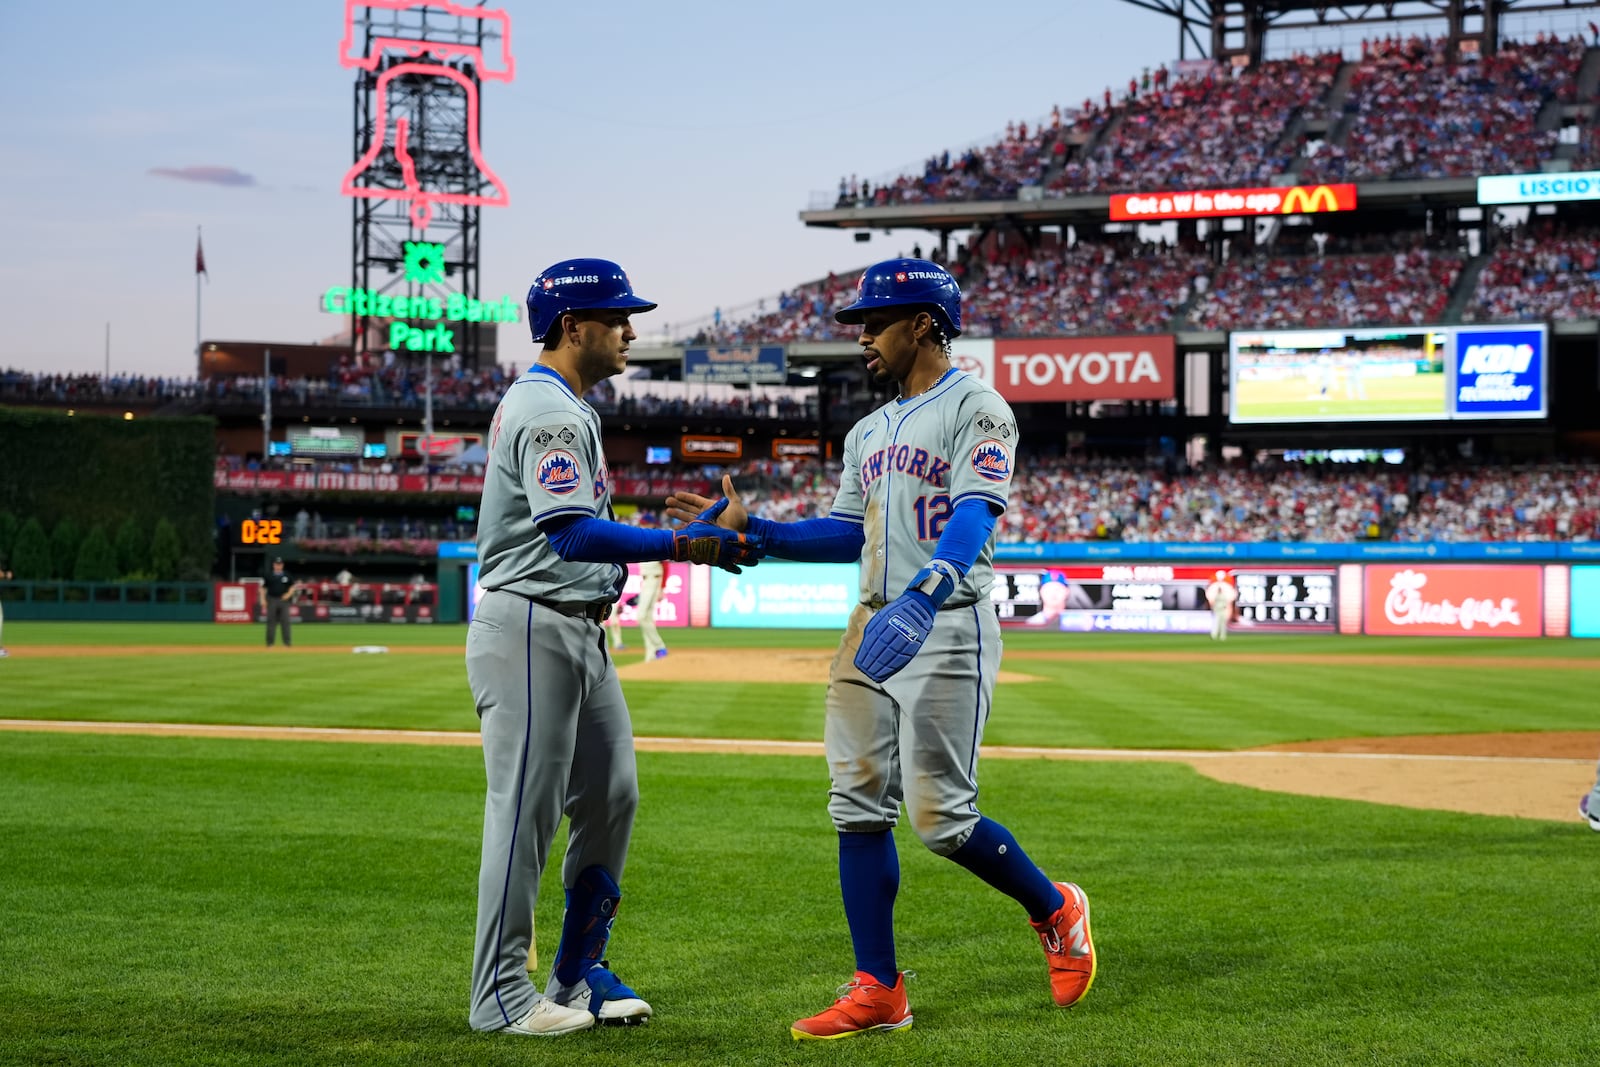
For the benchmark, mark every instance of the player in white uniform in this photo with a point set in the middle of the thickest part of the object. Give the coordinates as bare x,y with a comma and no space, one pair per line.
925,477
556,734
651,576
1221,595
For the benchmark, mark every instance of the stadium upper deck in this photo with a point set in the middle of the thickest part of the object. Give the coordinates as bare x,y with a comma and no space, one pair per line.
1403,110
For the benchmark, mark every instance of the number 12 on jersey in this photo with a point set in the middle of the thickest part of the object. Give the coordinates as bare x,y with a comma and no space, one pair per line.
932,513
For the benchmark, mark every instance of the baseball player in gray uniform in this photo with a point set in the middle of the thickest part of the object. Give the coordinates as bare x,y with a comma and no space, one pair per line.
925,478
556,734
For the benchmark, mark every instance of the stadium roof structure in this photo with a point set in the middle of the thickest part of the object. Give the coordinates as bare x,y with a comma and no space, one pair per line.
1238,28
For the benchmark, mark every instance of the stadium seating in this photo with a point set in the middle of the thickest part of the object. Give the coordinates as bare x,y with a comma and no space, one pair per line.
1206,131
1409,286
1085,500
1413,113
1103,286
1540,273
1210,128
1538,503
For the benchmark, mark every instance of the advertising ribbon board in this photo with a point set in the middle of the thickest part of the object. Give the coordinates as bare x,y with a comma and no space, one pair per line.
764,365
1224,203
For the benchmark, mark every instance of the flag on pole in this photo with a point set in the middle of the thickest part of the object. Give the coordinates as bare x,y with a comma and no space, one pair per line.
200,257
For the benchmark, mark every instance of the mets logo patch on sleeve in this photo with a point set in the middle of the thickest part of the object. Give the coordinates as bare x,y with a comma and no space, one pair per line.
992,461
558,472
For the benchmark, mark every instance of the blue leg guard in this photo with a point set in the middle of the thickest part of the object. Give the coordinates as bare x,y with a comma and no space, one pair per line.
586,928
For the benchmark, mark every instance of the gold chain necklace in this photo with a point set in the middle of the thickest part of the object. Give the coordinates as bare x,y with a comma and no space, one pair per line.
936,381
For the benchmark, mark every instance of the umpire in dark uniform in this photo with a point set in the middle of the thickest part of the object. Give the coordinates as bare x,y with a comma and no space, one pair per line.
277,595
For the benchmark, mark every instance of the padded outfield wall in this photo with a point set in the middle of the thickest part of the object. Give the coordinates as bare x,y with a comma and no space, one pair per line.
1425,589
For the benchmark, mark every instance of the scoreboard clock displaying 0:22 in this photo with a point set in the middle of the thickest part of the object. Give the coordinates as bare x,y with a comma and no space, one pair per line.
261,532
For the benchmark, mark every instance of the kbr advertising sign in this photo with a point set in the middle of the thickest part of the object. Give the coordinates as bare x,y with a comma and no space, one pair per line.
1084,368
1454,601
1388,373
1500,372
1539,188
800,596
1222,203
737,366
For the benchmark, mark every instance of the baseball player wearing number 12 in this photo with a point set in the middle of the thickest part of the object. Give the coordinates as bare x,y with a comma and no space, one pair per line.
925,478
557,738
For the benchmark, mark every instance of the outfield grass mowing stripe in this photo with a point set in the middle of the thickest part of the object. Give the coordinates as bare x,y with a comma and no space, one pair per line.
204,902
1220,704
1531,787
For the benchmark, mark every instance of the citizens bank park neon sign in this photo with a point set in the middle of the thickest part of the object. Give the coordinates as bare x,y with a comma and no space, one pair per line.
424,263
1225,203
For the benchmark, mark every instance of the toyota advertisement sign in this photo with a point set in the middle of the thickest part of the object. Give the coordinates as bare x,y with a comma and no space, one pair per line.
1029,369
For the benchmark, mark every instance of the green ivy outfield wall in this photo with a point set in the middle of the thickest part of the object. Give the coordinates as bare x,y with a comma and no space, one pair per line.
105,471
106,601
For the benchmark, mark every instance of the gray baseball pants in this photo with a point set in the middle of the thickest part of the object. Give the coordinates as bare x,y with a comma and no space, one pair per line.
915,737
556,740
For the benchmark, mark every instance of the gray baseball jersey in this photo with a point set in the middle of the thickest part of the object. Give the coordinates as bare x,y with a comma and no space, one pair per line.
545,460
914,738
908,464
556,733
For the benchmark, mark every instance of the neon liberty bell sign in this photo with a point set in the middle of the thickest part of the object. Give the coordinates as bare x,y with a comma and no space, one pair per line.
392,131
376,41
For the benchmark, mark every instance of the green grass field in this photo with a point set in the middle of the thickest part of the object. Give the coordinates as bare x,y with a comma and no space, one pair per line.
1420,395
187,901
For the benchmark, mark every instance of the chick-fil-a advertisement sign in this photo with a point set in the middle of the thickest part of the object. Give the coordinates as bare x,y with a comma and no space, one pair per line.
1454,601
672,606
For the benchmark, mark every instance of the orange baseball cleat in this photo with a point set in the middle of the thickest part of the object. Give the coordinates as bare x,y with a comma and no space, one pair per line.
1068,947
864,1005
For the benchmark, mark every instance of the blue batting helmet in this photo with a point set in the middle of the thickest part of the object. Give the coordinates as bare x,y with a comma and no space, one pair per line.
578,285
897,282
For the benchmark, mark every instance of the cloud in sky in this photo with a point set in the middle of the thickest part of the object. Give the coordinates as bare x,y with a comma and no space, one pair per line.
228,176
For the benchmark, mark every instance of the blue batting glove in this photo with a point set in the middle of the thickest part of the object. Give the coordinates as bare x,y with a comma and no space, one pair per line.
710,514
895,634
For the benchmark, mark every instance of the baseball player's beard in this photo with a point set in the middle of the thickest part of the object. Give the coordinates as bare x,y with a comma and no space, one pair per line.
595,367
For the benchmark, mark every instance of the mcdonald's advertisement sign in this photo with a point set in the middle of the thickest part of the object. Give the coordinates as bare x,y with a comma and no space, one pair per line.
1221,203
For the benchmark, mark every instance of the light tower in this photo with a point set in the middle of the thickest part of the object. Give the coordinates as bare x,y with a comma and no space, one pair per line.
419,178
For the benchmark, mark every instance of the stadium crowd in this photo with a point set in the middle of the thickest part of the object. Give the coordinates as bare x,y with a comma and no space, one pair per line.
1410,111
1118,500
1416,113
1410,284
1055,499
1539,272
1116,285
349,389
1203,131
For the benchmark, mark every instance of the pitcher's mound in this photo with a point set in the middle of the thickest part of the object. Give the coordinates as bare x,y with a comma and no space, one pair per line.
808,666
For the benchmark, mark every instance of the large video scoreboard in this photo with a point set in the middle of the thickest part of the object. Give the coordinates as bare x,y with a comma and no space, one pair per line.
1162,598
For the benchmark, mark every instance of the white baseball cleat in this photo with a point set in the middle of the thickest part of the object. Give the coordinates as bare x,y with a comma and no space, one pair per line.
549,1019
